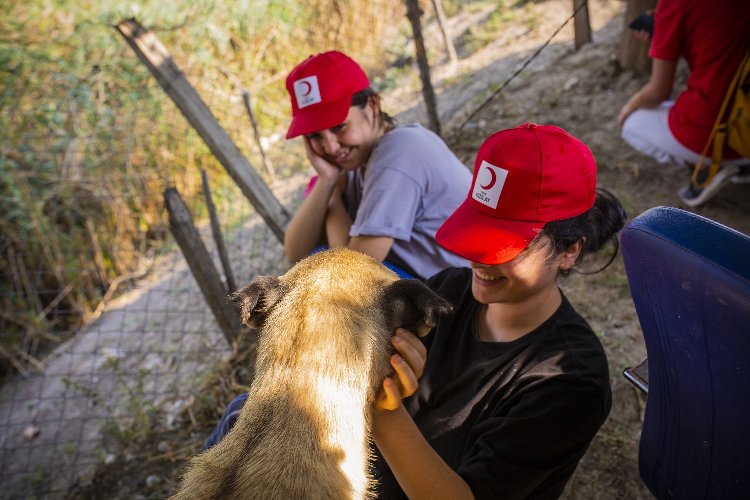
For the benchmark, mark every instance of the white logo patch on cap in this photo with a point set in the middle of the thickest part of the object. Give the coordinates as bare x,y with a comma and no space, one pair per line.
306,91
489,183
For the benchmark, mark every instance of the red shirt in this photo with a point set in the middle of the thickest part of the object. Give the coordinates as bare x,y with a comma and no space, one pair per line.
712,36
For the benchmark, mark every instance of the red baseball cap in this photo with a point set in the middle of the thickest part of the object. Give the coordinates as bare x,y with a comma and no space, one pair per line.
524,177
321,90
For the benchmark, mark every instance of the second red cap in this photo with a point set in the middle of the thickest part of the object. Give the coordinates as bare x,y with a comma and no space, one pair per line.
524,177
321,90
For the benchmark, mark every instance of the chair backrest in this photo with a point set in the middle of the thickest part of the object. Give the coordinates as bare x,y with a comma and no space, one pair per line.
690,281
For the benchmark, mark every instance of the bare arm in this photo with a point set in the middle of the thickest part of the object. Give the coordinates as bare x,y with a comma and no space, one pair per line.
376,247
338,223
658,88
305,230
323,213
419,470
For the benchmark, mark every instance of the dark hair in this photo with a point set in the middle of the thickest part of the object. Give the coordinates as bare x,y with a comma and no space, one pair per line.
597,226
361,98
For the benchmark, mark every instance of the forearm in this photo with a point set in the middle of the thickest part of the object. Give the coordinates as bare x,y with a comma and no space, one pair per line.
656,91
419,470
337,224
649,96
306,228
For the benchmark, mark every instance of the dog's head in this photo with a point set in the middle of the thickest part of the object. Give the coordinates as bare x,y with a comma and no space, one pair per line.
342,272
414,306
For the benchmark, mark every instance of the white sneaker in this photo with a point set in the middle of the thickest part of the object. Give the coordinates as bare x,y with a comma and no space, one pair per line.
693,197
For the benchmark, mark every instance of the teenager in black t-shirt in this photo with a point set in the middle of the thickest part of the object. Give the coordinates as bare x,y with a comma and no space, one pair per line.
504,398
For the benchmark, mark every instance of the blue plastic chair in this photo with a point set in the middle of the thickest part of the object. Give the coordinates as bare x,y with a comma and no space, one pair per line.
690,281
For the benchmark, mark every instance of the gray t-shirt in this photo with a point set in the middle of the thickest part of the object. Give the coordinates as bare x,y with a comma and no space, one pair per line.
410,185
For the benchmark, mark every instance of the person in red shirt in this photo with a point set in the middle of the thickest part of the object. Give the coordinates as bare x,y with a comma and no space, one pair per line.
713,37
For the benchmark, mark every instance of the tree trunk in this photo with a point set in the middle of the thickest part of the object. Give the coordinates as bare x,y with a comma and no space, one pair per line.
413,12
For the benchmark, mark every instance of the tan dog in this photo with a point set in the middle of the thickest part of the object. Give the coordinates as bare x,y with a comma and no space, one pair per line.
324,348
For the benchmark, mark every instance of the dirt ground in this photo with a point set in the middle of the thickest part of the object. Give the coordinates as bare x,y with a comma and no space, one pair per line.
581,91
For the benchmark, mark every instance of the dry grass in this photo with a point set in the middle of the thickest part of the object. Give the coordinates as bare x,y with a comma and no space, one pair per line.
91,141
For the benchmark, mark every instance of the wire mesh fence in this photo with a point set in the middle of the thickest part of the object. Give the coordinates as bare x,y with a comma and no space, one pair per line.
105,333
139,362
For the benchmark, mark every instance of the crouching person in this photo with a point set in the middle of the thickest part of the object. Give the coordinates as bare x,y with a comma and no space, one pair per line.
504,397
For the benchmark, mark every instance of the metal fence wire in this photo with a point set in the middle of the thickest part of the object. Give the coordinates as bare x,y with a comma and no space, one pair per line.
104,332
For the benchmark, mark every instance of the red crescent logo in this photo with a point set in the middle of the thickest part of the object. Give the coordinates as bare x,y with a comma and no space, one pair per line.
307,87
493,180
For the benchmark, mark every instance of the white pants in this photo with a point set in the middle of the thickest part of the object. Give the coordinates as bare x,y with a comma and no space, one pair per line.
647,130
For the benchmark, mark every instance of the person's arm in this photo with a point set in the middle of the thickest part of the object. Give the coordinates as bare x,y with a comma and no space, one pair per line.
305,230
419,470
376,247
338,223
323,213
658,88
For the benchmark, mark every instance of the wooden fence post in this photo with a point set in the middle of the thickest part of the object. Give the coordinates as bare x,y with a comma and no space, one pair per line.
413,12
184,232
634,52
157,59
581,23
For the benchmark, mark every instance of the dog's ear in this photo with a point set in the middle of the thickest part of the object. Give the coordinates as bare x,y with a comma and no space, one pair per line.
412,305
256,300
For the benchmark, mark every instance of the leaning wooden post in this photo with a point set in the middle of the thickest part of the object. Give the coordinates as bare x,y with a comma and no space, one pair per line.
256,134
216,231
581,23
157,59
413,12
634,52
450,49
184,232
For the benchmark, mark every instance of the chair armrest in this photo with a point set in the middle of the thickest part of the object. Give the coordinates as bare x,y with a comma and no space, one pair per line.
638,375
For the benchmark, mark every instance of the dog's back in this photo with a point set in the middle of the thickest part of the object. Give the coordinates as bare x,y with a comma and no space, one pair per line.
325,329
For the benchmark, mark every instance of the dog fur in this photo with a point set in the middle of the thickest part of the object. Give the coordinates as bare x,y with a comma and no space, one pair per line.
323,352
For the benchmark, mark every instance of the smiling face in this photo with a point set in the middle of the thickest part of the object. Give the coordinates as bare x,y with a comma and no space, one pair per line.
533,273
349,144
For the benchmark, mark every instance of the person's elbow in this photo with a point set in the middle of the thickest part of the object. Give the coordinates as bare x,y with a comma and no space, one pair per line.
376,247
657,92
659,87
291,250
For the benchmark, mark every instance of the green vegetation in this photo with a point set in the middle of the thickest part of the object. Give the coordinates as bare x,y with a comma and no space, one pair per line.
90,141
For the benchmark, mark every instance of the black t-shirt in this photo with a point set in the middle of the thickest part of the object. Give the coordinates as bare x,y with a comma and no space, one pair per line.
512,418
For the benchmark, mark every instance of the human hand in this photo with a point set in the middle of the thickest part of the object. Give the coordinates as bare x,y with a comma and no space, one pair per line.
408,363
643,26
326,170
642,35
625,112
